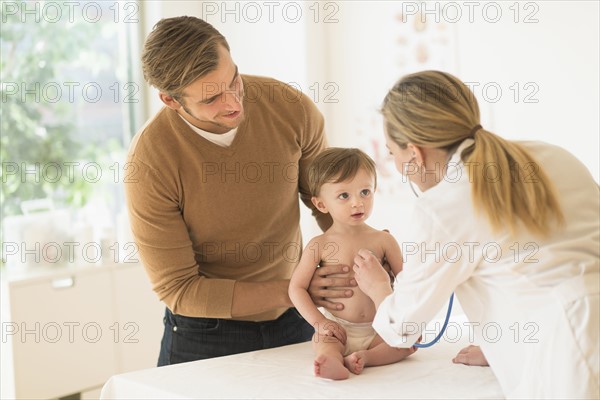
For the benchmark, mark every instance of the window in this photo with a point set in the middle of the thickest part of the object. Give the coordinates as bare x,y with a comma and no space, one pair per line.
70,103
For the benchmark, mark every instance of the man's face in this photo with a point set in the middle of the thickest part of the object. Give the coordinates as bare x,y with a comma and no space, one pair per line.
213,103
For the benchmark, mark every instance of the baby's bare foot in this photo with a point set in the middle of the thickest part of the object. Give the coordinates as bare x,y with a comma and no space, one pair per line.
330,367
355,362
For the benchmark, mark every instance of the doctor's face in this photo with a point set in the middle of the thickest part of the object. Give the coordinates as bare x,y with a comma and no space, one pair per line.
403,158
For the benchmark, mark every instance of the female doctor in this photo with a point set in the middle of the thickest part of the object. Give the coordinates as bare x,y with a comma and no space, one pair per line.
512,228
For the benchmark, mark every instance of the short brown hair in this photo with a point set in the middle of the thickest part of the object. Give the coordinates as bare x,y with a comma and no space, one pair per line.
179,51
337,164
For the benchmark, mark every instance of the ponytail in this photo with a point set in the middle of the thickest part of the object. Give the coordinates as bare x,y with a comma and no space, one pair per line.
509,187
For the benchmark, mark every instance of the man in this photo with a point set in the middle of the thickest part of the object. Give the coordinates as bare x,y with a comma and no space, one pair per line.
213,197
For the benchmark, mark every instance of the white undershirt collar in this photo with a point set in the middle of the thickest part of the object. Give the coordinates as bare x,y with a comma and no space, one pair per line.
223,139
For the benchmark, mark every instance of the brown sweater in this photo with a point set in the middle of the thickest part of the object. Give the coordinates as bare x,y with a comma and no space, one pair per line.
206,216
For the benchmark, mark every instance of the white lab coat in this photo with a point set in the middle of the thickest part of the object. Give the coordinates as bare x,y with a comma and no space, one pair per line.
533,304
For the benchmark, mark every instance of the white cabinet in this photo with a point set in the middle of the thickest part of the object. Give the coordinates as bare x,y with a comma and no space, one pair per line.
139,315
67,330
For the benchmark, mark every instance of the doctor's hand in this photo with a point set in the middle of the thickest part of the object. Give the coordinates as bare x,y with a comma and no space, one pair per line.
371,277
471,355
324,287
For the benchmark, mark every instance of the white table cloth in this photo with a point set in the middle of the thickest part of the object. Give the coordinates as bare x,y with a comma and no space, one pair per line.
287,372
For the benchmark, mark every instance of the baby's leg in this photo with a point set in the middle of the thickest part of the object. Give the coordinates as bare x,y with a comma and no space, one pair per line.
329,359
378,353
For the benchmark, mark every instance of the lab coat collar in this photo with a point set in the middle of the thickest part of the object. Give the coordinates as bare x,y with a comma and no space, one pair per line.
465,143
455,164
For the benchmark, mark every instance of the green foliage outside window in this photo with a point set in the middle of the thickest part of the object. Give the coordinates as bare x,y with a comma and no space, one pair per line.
43,65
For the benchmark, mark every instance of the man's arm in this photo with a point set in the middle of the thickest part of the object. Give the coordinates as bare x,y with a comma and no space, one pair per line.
166,251
251,298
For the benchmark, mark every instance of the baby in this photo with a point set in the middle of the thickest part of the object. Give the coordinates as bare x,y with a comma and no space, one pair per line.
342,183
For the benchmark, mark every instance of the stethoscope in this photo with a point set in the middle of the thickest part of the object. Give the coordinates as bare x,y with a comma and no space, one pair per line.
439,336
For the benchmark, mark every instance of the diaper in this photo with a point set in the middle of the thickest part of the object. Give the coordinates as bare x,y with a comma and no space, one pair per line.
359,335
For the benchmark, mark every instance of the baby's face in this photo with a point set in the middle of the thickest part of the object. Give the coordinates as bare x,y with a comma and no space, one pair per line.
350,201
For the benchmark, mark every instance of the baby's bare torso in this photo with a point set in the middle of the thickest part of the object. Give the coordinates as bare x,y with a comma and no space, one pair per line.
341,249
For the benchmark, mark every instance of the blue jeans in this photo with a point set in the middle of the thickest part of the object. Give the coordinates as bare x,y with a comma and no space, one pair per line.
189,339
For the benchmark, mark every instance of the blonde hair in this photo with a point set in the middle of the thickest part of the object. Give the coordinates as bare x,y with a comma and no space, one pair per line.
434,109
179,51
337,164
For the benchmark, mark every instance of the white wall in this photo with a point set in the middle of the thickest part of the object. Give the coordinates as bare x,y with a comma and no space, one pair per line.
353,51
558,54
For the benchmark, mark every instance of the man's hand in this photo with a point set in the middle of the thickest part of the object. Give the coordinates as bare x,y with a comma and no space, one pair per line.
471,355
323,286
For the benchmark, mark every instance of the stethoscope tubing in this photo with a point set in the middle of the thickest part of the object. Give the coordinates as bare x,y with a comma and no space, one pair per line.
439,336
